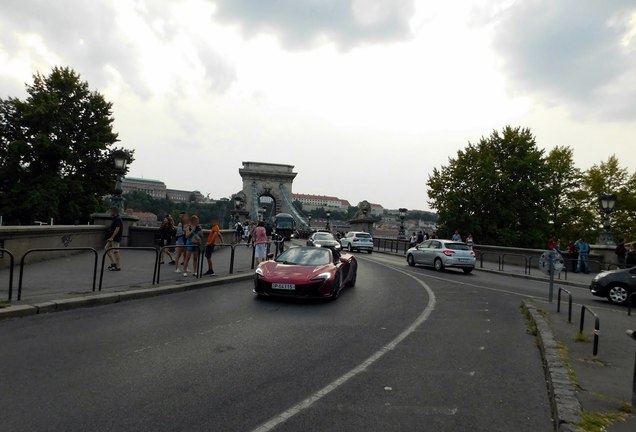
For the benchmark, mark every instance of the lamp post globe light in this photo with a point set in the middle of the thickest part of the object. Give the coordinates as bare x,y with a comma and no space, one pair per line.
607,203
402,212
120,160
328,225
309,220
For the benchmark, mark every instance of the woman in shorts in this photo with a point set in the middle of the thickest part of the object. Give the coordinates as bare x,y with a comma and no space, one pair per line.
260,242
193,242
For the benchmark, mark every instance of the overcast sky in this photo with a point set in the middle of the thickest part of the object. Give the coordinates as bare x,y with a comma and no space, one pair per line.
363,97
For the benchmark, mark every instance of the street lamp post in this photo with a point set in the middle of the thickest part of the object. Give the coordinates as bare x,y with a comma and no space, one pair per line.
309,220
607,202
402,216
120,159
328,226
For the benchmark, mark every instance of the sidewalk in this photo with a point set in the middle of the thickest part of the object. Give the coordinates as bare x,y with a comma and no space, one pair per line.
589,391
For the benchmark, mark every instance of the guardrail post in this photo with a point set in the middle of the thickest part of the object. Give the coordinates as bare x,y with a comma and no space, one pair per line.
629,303
632,334
597,325
11,264
232,247
569,303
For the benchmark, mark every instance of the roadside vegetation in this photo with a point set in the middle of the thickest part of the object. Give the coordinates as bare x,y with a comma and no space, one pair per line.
507,191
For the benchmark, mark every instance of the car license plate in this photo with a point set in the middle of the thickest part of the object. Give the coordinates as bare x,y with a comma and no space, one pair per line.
283,286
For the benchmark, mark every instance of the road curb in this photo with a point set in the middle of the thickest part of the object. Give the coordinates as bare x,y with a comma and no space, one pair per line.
566,407
104,298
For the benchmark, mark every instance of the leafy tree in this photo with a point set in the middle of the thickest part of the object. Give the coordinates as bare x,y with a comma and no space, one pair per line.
610,177
495,189
569,217
55,150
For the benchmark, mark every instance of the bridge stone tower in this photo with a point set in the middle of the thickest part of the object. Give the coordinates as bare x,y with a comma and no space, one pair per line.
269,180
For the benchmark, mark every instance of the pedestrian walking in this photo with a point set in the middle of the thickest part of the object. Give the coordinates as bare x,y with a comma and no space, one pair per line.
113,239
630,260
621,253
469,240
238,232
184,222
413,240
213,237
193,242
166,234
456,236
260,242
420,237
584,256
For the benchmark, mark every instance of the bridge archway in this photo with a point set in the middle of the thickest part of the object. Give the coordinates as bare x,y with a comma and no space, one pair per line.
269,180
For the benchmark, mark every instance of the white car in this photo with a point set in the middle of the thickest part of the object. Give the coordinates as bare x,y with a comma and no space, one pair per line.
357,240
441,254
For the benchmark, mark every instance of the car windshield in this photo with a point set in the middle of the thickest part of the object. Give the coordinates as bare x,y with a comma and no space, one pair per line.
457,246
324,236
363,235
305,256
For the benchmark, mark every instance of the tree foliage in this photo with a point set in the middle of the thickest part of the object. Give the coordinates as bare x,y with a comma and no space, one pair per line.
506,191
55,151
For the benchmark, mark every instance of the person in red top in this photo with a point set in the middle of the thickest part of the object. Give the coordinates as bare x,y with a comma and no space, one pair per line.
260,242
215,234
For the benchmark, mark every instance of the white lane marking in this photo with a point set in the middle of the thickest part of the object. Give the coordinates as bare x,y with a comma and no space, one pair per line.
307,403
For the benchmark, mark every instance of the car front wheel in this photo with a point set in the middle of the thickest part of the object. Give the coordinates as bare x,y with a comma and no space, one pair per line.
617,295
410,260
350,247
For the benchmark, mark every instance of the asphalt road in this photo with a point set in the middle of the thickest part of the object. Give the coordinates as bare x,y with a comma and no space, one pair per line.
405,350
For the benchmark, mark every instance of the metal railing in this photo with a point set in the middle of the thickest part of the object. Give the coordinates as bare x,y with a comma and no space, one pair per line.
569,303
11,264
597,326
483,254
503,260
394,245
30,251
147,248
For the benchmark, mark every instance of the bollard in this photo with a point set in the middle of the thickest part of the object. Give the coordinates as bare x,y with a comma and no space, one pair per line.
597,327
632,334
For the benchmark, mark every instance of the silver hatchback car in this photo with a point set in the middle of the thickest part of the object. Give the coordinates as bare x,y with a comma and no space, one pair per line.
440,254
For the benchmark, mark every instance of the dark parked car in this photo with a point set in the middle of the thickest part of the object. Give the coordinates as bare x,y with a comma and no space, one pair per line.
616,285
324,239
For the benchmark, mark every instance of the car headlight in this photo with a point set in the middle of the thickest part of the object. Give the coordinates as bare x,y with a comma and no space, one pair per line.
259,272
322,276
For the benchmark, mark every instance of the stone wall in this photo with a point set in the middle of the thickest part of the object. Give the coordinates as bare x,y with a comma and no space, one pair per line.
19,239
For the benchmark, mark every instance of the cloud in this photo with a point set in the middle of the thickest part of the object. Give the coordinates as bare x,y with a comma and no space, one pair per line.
101,39
575,53
304,23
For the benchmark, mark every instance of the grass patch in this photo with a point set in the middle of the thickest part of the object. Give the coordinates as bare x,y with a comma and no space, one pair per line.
532,326
599,421
582,337
564,355
4,304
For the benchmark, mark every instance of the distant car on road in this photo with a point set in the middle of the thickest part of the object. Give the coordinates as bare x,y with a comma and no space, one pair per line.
306,271
441,254
357,240
323,239
615,285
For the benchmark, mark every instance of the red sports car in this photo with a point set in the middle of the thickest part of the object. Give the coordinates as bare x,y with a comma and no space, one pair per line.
306,271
